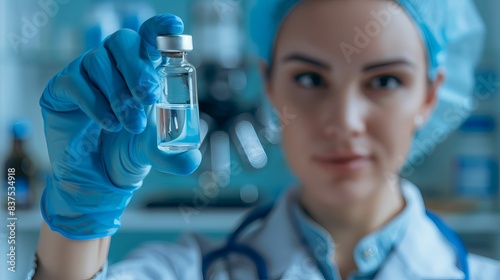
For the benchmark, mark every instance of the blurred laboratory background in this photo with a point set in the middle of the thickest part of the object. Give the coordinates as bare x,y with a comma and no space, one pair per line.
242,161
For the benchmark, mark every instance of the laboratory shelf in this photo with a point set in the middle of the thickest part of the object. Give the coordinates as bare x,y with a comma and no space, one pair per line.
223,220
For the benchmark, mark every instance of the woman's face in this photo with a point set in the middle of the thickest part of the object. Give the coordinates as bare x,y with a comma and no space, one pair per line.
350,80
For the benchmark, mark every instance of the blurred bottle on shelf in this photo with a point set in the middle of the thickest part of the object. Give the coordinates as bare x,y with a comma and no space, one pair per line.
476,164
21,167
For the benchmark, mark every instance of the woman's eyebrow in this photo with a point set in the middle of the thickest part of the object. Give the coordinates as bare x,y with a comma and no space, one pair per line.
306,59
388,63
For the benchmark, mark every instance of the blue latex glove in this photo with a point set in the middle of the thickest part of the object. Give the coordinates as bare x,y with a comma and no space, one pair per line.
101,132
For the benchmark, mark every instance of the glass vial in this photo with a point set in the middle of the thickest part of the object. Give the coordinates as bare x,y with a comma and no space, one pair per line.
177,113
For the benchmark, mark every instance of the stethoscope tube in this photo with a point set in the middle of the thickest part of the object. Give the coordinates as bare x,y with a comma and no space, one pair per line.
231,247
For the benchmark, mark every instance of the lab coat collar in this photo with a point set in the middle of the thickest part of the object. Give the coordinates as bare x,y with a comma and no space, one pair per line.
423,253
371,251
283,249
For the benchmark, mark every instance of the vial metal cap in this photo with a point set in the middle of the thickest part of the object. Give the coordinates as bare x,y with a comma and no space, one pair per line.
174,43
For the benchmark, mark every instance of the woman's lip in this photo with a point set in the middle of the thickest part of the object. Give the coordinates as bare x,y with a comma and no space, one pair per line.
340,158
344,163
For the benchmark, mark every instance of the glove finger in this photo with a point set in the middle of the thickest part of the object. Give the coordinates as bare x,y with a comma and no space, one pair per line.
99,65
72,89
134,65
163,24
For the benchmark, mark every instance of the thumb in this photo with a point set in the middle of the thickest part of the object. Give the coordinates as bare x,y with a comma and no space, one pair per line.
183,163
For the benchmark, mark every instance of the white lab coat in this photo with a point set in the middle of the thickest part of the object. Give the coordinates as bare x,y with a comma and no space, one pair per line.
423,253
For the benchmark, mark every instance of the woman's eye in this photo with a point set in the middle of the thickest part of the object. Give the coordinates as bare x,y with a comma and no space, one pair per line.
309,80
385,82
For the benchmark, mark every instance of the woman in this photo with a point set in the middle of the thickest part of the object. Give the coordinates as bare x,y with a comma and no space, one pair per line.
358,92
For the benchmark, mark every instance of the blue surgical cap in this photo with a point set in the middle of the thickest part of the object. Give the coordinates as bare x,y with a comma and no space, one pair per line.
453,34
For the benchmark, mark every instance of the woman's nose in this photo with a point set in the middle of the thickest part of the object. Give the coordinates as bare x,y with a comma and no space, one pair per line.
344,114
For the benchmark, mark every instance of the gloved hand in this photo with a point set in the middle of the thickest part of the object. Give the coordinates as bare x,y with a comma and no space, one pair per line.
101,132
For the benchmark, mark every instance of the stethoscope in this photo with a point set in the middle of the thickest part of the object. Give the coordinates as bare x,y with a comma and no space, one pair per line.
232,247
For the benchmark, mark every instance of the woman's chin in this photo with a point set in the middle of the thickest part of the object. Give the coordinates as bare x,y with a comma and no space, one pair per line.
344,193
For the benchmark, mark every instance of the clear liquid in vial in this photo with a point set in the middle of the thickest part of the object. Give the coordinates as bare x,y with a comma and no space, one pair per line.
178,127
